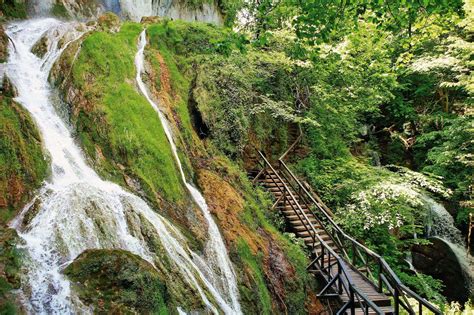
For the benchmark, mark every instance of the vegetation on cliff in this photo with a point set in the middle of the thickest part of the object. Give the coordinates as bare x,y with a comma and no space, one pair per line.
124,139
119,282
384,97
22,164
13,9
23,168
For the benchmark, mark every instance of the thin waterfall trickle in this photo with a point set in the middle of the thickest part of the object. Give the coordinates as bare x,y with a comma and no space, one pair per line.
77,210
215,251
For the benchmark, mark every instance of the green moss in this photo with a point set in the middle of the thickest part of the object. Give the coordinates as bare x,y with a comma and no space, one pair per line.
118,281
187,39
129,131
60,11
13,9
22,164
10,262
257,297
190,47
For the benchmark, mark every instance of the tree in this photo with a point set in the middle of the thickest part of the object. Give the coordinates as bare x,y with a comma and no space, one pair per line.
321,19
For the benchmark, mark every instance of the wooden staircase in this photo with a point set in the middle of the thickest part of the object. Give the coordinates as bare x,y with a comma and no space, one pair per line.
361,279
276,185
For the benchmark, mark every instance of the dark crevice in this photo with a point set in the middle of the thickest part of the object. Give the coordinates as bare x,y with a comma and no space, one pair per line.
201,128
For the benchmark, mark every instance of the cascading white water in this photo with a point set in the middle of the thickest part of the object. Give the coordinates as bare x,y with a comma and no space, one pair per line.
441,223
77,209
41,7
215,250
134,9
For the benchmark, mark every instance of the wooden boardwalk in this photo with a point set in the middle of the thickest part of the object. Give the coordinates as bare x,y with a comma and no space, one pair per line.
360,279
273,184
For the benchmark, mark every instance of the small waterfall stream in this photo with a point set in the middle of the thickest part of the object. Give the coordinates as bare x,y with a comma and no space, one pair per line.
440,224
77,210
215,248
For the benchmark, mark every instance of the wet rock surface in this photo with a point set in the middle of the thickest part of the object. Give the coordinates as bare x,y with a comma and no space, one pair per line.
439,261
117,281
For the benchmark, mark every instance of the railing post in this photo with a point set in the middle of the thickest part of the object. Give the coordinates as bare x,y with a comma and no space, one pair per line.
352,300
322,256
396,299
340,278
380,275
353,254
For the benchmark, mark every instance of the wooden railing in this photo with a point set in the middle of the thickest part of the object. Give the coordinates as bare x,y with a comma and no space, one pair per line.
328,262
370,265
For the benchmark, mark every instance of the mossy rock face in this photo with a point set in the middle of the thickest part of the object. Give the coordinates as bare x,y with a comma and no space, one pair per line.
41,47
117,281
3,45
22,164
109,22
13,9
10,258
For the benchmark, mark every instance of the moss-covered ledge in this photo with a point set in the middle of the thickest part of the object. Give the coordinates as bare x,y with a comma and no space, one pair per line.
118,282
23,168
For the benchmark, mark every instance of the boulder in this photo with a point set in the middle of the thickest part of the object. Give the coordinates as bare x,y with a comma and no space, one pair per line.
439,261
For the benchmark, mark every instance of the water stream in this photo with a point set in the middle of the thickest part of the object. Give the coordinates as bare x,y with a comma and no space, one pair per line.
215,250
440,224
77,210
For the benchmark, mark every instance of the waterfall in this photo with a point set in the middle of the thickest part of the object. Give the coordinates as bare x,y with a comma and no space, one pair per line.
215,251
112,6
440,222
77,210
134,9
41,7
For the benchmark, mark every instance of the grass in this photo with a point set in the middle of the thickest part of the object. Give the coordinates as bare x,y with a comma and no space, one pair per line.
130,132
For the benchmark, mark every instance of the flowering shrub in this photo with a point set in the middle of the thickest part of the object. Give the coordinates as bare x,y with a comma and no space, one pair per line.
394,203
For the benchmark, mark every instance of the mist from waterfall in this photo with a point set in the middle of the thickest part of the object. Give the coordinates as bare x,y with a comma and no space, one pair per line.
77,210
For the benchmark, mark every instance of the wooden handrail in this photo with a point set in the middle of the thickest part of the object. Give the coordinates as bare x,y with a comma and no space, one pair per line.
317,238
386,275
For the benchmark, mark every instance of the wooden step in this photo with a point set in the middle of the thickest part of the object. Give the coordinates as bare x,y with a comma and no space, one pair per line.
291,211
380,300
295,217
302,227
303,234
388,310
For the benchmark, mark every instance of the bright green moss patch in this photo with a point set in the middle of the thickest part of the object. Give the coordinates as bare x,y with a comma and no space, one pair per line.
22,164
257,295
116,281
121,121
184,38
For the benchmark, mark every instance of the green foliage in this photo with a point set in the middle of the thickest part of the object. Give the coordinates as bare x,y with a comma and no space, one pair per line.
234,92
259,294
448,154
122,122
22,164
118,281
13,9
323,21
